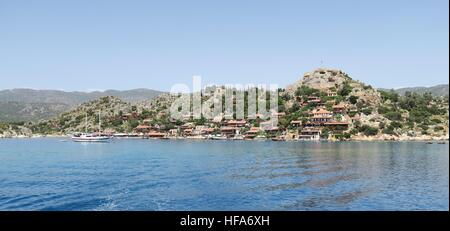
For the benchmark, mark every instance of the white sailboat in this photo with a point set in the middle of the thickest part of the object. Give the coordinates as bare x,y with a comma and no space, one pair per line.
91,137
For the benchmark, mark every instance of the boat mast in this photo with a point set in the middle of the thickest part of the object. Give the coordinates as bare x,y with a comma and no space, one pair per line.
86,124
99,123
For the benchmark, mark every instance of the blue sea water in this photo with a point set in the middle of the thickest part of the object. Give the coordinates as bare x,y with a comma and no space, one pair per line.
47,174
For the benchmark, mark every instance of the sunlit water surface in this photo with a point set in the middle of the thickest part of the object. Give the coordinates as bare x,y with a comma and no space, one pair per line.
48,174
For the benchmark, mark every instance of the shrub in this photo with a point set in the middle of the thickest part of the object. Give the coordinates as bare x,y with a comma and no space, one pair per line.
352,113
438,128
133,123
389,130
424,127
393,115
368,130
343,136
389,95
435,120
367,111
306,91
345,90
325,133
371,131
353,99
383,110
396,124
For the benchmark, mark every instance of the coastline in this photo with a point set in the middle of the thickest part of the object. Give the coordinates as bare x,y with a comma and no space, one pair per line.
423,138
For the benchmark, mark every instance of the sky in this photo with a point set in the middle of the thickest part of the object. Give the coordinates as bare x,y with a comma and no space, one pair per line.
95,45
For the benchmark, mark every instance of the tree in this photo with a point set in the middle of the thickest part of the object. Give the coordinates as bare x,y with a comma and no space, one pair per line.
389,95
353,99
345,90
133,123
325,133
393,115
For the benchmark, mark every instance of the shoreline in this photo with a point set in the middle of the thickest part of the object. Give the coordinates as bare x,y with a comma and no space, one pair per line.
355,139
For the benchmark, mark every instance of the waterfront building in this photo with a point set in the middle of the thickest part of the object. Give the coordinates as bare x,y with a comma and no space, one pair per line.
229,131
310,133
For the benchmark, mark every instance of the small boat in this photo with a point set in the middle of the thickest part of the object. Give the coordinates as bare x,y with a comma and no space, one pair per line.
90,137
277,139
219,137
260,137
238,137
121,135
429,142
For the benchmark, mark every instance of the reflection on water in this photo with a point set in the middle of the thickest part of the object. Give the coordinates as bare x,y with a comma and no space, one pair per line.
45,174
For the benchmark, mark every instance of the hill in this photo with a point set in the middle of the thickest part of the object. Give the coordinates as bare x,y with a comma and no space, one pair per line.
438,90
369,112
33,105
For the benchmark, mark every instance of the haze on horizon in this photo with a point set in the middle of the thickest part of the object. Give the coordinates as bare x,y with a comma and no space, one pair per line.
84,45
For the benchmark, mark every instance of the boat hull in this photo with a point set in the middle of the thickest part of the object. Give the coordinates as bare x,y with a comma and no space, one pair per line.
91,139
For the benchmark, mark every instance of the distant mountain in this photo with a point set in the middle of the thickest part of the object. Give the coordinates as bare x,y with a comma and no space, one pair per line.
33,105
438,90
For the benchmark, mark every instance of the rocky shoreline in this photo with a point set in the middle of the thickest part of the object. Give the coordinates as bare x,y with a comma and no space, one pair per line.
383,137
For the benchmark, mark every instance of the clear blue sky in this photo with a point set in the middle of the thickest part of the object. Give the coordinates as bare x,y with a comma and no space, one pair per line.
84,45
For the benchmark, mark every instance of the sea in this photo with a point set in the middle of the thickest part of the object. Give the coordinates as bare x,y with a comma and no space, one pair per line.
56,174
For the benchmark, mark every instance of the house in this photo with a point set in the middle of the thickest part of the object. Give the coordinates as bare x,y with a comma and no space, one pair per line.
142,128
147,121
236,123
207,131
156,135
314,99
310,133
339,109
187,132
279,114
296,123
337,125
252,133
187,126
320,120
202,130
320,112
173,132
228,131
331,93
128,116
271,131
319,116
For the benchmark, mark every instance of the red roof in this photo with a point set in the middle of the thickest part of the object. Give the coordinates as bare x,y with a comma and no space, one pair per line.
143,127
227,128
336,123
320,111
237,122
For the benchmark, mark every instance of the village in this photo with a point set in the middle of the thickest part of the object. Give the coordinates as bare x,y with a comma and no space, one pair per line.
320,124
